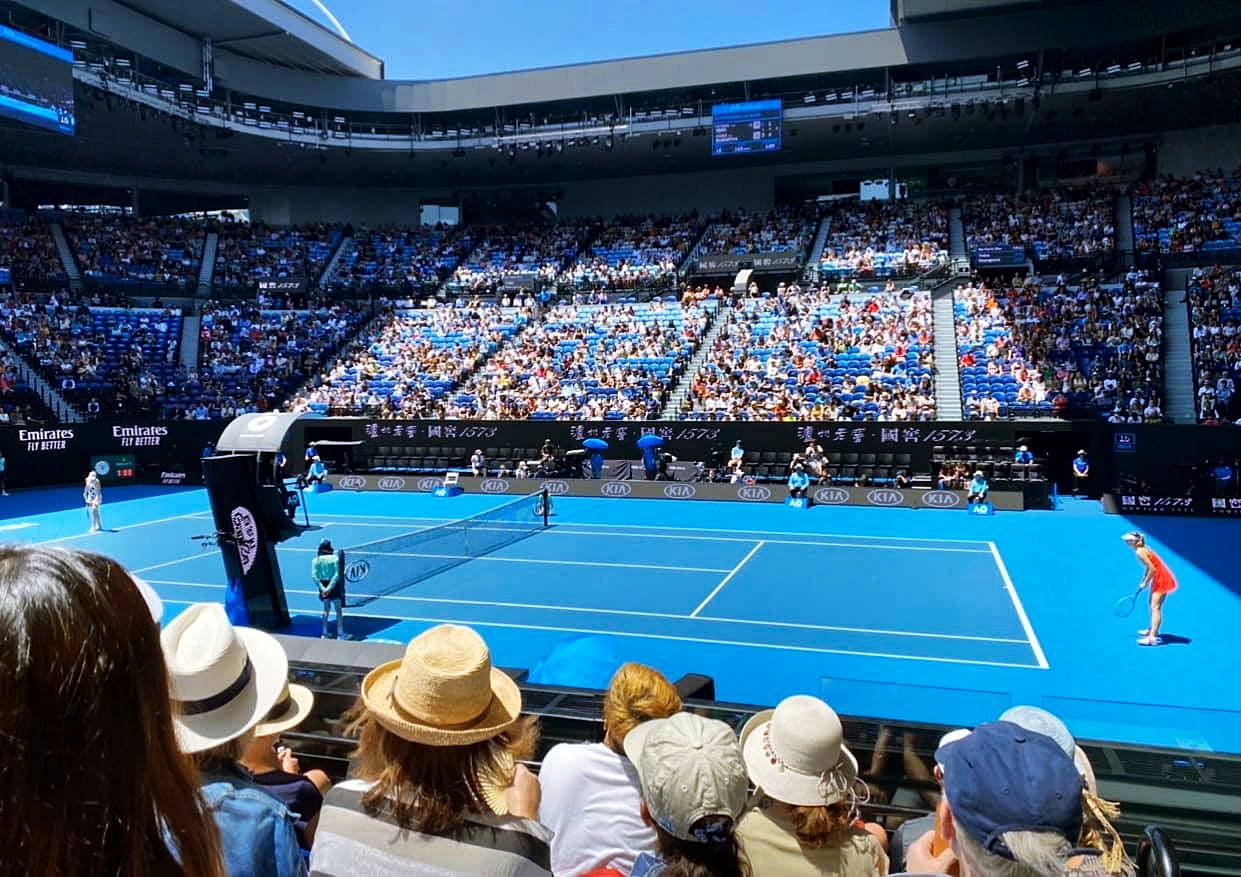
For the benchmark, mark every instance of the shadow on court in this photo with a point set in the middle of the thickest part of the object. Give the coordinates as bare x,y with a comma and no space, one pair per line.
1207,543
355,626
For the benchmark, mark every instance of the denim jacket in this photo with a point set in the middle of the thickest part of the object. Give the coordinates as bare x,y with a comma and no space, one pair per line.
256,829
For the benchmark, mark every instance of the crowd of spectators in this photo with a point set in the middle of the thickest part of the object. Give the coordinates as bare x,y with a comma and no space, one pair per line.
162,250
1215,318
1052,224
409,362
503,255
1199,213
636,251
883,239
783,230
109,361
1092,349
393,256
252,359
438,781
250,253
613,361
819,354
28,250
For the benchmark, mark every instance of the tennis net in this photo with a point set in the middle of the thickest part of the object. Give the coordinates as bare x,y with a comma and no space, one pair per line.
386,566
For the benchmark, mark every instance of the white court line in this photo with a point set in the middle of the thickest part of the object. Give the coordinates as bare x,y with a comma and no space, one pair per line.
125,529
173,562
728,578
630,612
1021,610
492,559
473,622
760,533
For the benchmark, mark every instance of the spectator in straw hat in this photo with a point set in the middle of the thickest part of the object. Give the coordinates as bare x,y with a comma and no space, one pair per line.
93,781
1012,806
802,820
225,681
591,798
276,768
437,787
693,792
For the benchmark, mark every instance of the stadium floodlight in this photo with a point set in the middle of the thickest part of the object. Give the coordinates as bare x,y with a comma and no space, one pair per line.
339,120
687,111
121,62
830,96
1135,66
184,87
250,106
1113,69
809,99
298,114
263,109
77,44
1084,72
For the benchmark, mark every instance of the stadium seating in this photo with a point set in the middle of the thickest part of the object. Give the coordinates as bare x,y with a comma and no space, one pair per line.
1052,224
248,253
802,355
1201,214
785,230
635,252
28,251
127,252
1036,350
883,239
393,256
610,361
524,256
410,361
1215,317
253,360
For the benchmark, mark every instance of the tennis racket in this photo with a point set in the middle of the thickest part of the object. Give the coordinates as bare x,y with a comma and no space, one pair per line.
1124,606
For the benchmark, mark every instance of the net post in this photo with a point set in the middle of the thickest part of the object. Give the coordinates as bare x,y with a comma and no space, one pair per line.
545,498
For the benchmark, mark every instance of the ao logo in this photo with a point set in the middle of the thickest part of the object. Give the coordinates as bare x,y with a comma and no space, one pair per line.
754,493
259,423
556,488
680,491
885,497
351,482
102,468
357,570
428,483
494,485
616,488
941,499
831,496
246,532
391,484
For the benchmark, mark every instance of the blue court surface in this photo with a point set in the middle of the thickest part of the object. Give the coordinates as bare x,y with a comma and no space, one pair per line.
919,615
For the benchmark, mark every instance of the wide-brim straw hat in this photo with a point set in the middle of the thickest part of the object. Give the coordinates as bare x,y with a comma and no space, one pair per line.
224,680
443,692
290,710
796,753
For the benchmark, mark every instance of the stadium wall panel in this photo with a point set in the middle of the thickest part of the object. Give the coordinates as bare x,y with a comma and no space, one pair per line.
377,206
1185,153
676,194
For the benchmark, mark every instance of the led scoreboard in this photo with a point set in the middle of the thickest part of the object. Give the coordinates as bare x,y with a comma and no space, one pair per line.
753,126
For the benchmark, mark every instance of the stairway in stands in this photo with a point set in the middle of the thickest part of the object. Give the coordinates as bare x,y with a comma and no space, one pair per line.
1180,402
956,238
207,270
947,365
1124,231
67,259
816,251
672,405
343,248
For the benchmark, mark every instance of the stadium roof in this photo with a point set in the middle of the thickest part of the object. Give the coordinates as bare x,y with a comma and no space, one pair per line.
267,31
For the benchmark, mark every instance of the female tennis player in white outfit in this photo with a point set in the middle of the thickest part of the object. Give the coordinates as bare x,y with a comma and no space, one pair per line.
92,495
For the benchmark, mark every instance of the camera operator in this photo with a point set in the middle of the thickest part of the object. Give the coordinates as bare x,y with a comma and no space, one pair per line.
662,473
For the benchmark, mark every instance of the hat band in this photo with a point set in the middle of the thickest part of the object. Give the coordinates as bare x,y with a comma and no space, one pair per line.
280,708
215,701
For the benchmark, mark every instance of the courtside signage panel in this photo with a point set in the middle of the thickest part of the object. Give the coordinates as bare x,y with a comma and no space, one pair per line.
753,126
36,82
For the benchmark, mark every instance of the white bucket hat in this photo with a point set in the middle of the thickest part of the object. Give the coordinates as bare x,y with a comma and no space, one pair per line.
796,753
224,679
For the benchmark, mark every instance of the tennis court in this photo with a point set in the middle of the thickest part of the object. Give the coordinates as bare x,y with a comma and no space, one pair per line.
919,615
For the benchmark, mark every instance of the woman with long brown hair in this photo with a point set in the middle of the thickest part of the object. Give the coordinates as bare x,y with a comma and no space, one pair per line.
92,781
436,782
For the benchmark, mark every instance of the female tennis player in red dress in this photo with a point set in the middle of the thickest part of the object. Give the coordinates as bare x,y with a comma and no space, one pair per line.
1158,578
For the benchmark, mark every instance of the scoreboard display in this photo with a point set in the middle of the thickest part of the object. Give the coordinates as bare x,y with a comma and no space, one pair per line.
115,468
36,81
753,126
1000,257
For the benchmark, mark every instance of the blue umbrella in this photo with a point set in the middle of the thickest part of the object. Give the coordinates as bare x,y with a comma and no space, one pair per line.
649,441
595,444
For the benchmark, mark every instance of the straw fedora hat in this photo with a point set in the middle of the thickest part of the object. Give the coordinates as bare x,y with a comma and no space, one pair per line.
444,692
290,711
796,753
224,679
